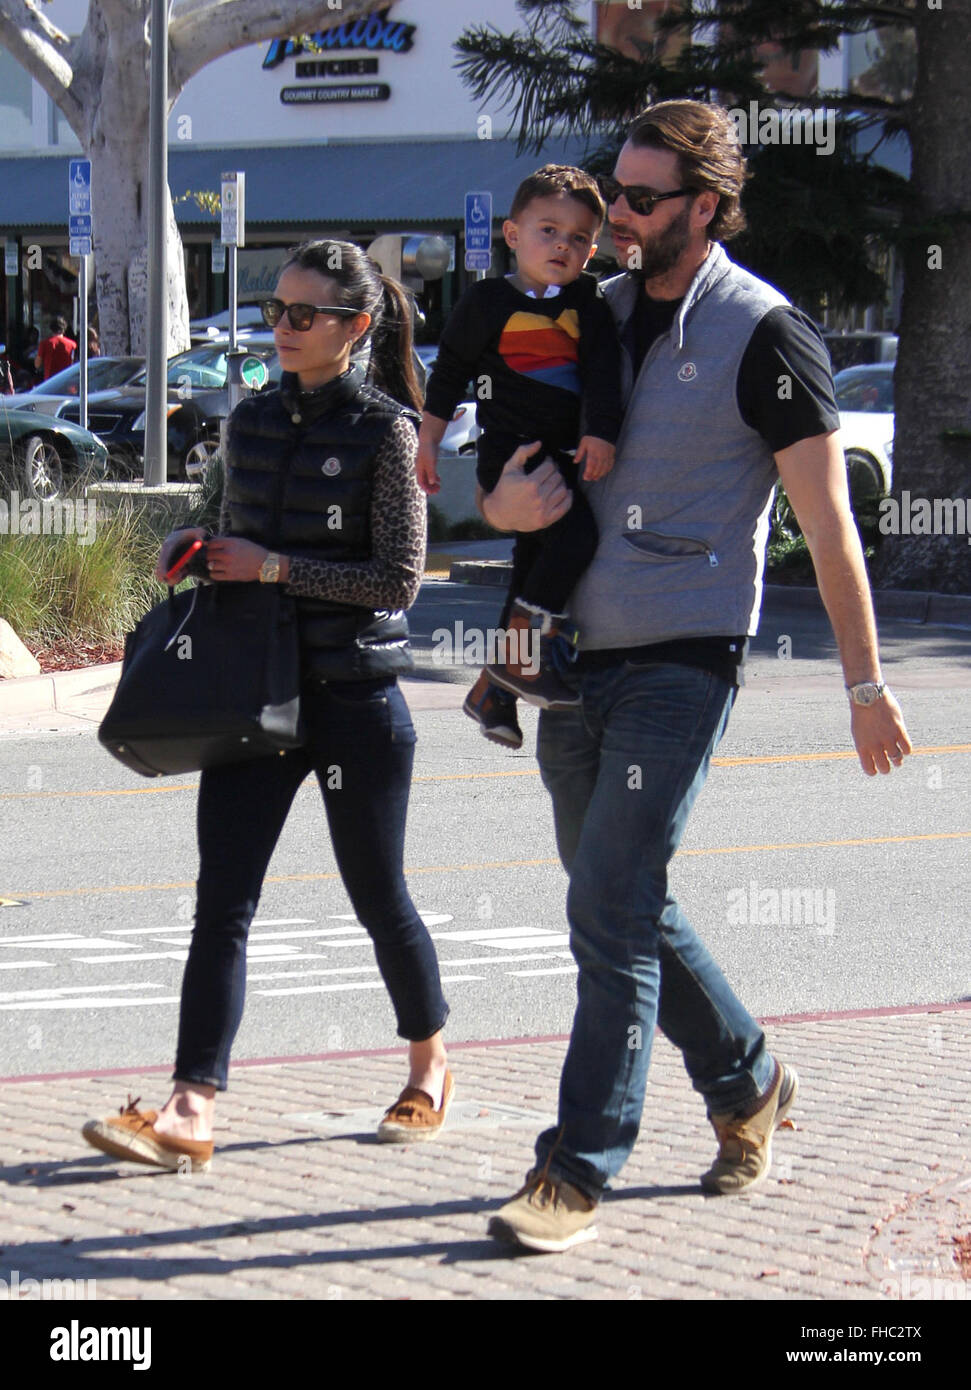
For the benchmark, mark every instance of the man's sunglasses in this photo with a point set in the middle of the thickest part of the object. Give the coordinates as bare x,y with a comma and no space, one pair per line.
301,316
639,199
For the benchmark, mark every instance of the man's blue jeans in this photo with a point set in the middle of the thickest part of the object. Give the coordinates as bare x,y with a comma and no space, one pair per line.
623,772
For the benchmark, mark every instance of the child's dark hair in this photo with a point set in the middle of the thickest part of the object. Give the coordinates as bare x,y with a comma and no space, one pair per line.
559,178
360,285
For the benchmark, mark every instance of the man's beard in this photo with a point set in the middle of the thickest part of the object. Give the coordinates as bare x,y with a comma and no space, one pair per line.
661,254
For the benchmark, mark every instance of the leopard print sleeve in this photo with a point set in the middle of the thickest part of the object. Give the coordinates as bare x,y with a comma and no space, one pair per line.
392,576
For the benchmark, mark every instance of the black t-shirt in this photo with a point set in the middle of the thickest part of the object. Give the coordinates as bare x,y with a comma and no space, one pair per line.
785,344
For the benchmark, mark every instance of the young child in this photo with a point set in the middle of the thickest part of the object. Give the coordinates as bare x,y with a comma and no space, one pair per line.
542,349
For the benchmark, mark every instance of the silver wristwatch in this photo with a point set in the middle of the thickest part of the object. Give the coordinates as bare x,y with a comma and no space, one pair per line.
866,693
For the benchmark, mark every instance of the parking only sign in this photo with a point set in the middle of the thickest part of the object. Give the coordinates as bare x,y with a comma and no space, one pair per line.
233,191
79,186
478,231
79,207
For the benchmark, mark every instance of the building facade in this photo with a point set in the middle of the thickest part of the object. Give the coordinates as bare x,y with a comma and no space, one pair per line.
361,131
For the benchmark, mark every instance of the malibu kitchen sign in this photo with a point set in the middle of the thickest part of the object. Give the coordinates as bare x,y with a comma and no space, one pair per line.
375,34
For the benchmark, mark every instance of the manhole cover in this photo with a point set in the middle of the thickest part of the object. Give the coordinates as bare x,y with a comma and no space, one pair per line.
463,1114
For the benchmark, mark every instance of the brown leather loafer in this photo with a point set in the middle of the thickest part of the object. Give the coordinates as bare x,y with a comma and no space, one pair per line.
131,1134
413,1115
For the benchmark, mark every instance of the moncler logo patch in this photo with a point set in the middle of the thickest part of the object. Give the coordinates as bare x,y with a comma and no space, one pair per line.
688,372
331,467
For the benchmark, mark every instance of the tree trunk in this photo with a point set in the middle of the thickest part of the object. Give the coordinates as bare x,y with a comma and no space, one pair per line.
116,141
933,377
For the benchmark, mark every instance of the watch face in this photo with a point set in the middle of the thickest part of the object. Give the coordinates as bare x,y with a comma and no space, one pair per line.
866,694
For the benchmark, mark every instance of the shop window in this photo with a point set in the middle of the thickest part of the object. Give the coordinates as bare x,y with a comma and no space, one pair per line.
16,104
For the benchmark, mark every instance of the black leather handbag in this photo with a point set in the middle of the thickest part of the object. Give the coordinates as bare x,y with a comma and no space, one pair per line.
210,676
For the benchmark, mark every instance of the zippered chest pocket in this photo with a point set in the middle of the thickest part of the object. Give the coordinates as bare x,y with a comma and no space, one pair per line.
655,546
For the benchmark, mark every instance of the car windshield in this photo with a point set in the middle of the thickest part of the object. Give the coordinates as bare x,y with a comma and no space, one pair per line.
201,367
204,367
863,390
104,373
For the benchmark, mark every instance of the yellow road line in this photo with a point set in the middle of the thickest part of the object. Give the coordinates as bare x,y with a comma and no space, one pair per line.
500,864
480,776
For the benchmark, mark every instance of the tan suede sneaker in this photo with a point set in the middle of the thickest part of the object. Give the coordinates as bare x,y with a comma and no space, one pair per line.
745,1145
131,1134
547,1215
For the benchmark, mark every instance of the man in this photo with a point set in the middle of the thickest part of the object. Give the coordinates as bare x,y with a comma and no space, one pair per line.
56,352
727,387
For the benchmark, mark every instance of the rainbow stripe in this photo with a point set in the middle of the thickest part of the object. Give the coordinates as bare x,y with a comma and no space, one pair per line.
543,349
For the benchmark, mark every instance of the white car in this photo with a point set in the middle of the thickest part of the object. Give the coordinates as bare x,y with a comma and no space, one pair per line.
462,430
249,320
865,398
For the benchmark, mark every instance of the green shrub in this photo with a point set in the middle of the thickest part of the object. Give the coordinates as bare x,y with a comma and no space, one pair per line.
70,589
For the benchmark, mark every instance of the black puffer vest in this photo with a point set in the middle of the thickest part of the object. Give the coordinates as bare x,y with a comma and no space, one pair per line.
299,482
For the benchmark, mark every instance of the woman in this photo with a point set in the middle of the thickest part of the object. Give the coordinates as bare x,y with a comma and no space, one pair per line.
320,497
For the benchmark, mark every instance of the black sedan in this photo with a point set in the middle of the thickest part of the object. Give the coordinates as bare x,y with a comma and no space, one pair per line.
198,402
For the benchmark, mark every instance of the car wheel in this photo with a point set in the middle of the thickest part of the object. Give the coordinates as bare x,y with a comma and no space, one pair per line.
43,468
865,479
196,462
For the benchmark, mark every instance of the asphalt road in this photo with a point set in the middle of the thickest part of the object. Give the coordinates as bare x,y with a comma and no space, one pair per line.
101,865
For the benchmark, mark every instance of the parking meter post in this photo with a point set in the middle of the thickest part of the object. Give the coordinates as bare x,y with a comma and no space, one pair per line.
233,296
83,342
236,387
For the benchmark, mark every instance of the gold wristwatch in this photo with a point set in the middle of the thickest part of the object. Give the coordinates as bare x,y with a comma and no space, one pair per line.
270,569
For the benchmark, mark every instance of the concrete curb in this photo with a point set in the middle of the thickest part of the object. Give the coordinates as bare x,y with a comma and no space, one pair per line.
35,694
945,610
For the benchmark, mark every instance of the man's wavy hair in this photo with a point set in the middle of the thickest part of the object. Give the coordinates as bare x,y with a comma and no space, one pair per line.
709,155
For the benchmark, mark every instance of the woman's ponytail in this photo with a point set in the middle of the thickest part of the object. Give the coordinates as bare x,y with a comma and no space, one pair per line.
392,356
360,285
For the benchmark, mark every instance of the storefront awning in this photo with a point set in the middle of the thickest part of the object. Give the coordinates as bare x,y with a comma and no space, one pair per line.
408,181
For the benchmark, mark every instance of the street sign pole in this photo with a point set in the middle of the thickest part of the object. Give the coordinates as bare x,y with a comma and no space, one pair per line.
79,217
233,235
83,342
156,444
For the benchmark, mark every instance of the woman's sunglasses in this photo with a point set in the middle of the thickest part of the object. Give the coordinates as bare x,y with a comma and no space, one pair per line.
301,316
639,199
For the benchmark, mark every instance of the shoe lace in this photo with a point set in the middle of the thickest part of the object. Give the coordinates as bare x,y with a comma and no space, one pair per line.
132,1109
543,1188
736,1142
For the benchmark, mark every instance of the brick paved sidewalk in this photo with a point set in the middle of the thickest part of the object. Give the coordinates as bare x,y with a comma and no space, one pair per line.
869,1197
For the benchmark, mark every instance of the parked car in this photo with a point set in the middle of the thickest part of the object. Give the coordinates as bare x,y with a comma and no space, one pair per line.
41,454
198,402
865,399
104,374
858,349
249,318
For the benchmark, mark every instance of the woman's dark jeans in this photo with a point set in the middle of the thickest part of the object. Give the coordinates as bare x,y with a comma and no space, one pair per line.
360,746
